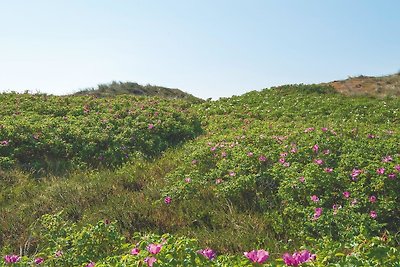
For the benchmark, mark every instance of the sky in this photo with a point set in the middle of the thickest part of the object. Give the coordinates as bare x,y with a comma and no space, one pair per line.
209,48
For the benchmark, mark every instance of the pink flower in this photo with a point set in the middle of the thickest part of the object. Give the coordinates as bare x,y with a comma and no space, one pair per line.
194,162
208,253
4,143
135,251
371,136
150,126
302,179
380,171
397,168
373,214
250,154
314,198
328,170
257,256
336,208
58,253
262,158
324,129
286,164
223,154
12,258
298,258
387,159
218,181
90,264
354,202
355,173
150,261
231,173
346,194
293,150
392,176
326,152
282,160
317,213
188,180
309,129
167,200
38,261
315,148
319,161
283,154
372,199
213,148
154,248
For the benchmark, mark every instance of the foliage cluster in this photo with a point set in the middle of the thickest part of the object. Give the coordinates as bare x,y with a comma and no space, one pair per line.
284,169
52,133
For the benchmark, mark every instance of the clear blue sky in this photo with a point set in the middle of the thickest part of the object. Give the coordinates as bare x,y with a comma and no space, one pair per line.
209,48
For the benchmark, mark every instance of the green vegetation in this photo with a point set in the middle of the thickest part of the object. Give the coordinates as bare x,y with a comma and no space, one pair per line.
292,168
129,88
40,132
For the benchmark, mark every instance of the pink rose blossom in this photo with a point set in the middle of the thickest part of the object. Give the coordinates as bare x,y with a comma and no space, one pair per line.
12,258
154,248
135,251
318,161
355,173
257,256
262,158
317,213
326,152
298,258
314,198
38,261
380,171
150,261
286,164
167,200
373,214
218,181
387,159
208,253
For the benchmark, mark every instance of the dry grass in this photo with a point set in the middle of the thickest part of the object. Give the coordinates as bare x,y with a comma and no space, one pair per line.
385,86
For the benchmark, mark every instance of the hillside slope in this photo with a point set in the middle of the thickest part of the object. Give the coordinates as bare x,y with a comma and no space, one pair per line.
285,169
130,88
372,86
